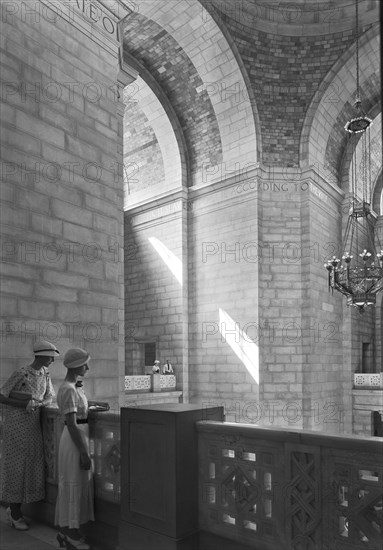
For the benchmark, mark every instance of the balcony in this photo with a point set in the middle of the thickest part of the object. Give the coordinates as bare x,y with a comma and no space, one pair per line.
149,389
367,403
368,380
104,431
275,489
259,488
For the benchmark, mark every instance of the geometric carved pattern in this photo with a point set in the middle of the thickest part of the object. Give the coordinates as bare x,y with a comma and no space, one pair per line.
168,381
371,379
143,382
321,492
358,509
240,490
104,434
50,448
304,506
135,383
237,491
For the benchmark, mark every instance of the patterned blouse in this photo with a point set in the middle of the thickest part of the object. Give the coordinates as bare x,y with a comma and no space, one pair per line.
30,380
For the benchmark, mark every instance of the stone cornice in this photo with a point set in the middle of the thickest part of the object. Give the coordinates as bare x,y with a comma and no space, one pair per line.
253,184
99,20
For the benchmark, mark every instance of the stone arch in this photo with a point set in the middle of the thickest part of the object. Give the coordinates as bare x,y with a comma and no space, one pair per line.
377,195
145,96
215,76
332,105
352,148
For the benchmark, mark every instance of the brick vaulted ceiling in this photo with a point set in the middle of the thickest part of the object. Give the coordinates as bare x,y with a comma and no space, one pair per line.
165,60
285,57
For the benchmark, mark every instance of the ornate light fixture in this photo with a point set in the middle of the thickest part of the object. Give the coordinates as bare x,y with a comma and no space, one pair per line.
359,279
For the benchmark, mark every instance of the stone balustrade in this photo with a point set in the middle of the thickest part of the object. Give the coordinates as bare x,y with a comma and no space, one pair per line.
143,383
104,430
369,380
277,488
265,487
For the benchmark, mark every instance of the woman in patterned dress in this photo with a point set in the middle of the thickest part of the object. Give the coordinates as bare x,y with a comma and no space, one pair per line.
74,505
23,468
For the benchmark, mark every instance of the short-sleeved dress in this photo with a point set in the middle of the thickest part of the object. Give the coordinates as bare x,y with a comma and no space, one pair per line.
74,505
22,465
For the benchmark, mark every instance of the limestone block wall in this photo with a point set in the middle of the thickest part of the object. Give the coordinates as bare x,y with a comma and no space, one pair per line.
257,326
365,402
62,195
224,366
154,281
327,386
301,338
282,299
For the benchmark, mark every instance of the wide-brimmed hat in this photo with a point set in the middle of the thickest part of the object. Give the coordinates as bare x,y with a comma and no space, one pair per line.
45,349
76,357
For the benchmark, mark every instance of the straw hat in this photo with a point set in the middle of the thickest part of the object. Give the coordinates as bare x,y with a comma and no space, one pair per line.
76,357
45,348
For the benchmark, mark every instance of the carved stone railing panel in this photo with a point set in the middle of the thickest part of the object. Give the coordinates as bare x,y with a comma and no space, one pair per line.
138,383
356,518
369,380
104,431
281,490
52,426
240,488
303,497
168,381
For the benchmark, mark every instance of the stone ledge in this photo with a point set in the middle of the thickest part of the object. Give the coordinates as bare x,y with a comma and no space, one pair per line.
138,399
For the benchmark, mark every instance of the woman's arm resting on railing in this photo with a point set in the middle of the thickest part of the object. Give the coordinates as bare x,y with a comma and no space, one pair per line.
20,403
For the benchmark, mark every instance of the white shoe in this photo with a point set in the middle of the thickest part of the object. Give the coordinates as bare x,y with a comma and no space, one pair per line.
19,524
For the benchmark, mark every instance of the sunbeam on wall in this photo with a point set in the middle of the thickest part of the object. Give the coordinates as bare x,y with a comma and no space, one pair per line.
240,342
170,259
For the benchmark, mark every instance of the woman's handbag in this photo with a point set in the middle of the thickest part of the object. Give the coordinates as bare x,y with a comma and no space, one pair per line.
20,395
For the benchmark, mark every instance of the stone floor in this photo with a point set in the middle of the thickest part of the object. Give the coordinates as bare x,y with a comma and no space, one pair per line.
39,537
43,537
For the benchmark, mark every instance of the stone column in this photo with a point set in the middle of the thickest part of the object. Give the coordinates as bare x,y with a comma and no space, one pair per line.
61,212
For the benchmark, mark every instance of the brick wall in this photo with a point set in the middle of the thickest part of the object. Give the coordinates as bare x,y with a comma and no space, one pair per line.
61,209
143,161
160,53
285,82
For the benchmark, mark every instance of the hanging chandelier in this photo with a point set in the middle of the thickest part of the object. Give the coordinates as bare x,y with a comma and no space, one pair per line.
360,277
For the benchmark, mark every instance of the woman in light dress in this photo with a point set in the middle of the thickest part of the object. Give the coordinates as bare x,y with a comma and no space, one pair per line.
74,505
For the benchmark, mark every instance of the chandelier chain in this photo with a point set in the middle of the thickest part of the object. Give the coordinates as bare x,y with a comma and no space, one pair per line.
357,48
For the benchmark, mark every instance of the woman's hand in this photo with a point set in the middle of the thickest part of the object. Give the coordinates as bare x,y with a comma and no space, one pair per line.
85,461
32,405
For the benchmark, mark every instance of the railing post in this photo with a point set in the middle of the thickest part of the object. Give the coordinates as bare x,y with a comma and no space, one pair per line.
159,477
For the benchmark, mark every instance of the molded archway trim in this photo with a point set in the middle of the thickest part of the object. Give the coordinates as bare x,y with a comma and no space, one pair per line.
337,88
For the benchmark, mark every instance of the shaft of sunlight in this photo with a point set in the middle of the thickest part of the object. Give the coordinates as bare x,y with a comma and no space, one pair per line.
240,342
168,257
